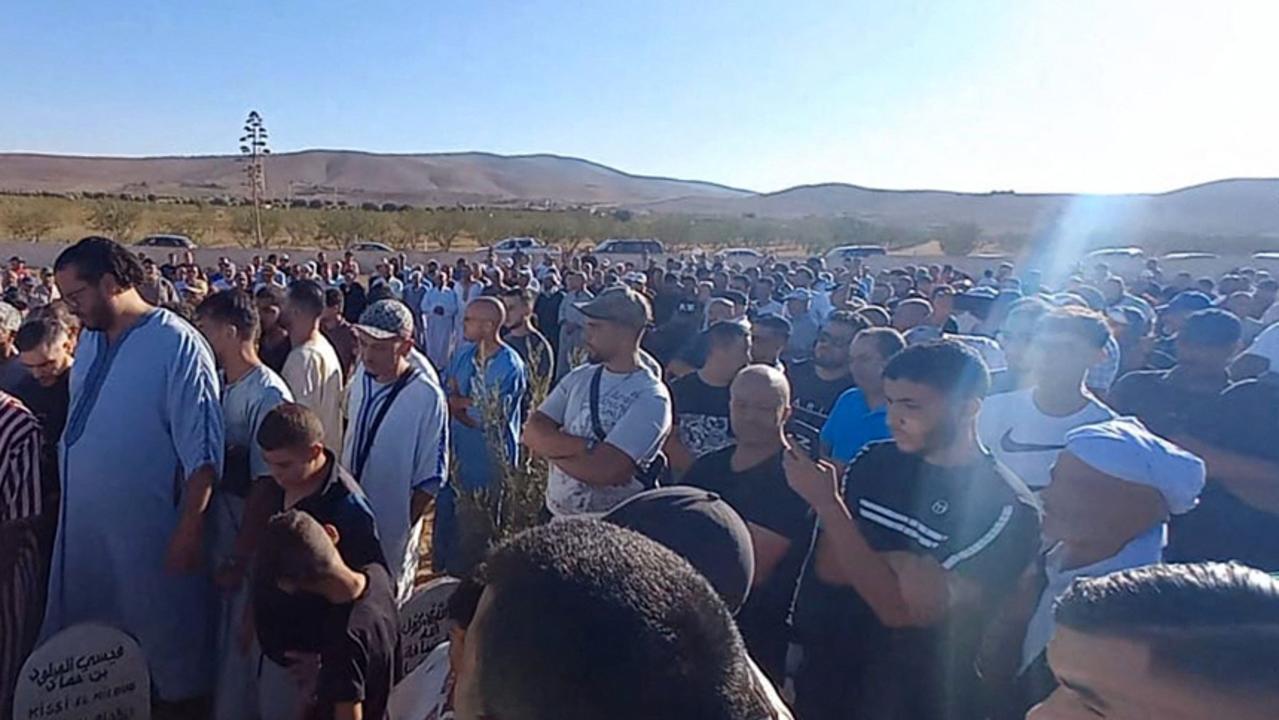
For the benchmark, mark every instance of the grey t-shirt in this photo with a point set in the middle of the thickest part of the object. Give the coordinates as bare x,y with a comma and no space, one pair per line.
635,414
244,403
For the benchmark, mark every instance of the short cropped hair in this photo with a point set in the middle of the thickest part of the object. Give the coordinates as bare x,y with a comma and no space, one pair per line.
95,257
525,296
290,426
294,547
888,341
773,323
875,316
333,298
1213,327
271,293
37,332
1085,324
234,308
588,599
725,332
847,317
307,294
947,366
1215,621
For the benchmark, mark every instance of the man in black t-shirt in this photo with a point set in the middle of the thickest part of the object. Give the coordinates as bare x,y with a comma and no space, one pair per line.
748,475
356,666
1169,402
817,383
699,400
924,540
520,333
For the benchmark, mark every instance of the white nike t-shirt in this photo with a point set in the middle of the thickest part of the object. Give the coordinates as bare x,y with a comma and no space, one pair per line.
1026,440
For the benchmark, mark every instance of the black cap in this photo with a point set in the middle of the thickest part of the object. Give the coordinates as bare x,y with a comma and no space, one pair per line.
702,528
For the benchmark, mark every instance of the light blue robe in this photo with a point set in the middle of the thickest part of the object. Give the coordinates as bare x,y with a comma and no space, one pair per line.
144,415
505,375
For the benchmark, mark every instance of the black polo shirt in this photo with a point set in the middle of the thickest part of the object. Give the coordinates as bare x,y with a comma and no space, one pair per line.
294,622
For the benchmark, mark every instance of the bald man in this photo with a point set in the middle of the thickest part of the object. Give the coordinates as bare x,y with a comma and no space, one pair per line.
911,313
486,382
749,476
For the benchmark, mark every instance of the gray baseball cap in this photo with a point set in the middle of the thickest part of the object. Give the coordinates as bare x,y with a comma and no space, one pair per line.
619,304
386,319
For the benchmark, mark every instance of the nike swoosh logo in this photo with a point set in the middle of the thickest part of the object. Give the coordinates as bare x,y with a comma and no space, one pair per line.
1007,444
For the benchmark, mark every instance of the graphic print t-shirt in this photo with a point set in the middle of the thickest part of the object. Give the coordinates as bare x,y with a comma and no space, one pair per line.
700,414
635,414
1026,440
812,399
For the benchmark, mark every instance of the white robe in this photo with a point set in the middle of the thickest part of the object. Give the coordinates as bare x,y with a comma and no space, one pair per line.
439,327
464,296
409,452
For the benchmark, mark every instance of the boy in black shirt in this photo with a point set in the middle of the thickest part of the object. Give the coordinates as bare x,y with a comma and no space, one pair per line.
748,476
312,481
359,637
926,538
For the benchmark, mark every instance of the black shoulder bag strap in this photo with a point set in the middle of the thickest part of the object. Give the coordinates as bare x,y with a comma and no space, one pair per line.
362,454
596,426
647,475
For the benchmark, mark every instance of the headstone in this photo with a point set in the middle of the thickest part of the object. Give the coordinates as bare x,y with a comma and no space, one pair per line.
85,672
422,621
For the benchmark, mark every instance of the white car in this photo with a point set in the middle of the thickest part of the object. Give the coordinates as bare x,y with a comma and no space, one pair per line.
630,246
845,254
370,246
745,257
167,241
527,245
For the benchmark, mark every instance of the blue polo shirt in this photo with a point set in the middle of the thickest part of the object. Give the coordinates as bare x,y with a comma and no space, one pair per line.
852,425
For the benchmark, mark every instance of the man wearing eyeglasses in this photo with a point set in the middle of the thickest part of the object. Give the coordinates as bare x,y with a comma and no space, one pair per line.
817,383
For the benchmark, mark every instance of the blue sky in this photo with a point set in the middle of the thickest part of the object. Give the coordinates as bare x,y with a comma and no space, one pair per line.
1078,95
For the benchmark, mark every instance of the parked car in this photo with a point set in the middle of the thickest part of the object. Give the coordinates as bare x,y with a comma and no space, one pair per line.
745,257
630,246
846,253
1116,253
370,246
1175,256
167,241
530,246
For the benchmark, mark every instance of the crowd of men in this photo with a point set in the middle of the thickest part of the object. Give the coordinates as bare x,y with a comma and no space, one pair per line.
788,490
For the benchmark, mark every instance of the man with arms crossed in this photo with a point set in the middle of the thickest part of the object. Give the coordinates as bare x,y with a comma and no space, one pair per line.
589,473
140,455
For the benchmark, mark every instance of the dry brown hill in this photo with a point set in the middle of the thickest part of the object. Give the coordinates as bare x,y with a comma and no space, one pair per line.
434,179
1239,207
1225,209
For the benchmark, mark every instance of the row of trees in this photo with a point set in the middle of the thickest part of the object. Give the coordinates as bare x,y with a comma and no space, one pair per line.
41,218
